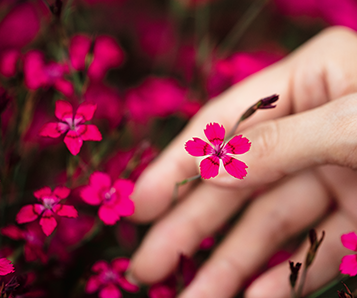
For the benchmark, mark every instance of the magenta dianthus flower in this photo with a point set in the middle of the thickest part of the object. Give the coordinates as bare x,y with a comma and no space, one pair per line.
108,277
5,266
349,263
50,205
73,124
219,151
113,198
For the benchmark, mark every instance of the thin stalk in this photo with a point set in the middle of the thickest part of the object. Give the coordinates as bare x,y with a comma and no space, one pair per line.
183,182
302,283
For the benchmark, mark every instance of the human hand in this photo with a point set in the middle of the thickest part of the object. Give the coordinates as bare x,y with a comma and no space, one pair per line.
304,151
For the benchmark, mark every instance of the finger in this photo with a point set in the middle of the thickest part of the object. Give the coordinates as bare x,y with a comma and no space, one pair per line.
323,269
182,230
269,221
301,84
325,135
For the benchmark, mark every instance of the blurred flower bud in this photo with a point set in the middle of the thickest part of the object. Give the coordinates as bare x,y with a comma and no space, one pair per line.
314,245
294,269
264,103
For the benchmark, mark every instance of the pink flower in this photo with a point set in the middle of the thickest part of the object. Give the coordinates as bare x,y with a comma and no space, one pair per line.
6,267
77,131
219,151
106,54
47,209
113,198
109,277
34,238
349,263
38,74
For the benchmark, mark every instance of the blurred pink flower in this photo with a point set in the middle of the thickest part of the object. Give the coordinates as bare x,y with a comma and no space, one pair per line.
113,198
108,277
155,97
73,124
34,240
349,263
6,267
8,61
109,103
38,74
207,243
227,72
50,205
106,54
219,151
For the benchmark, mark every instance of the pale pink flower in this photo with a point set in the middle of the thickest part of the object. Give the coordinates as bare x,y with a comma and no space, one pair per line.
73,124
349,263
47,209
113,198
108,277
219,151
39,74
6,267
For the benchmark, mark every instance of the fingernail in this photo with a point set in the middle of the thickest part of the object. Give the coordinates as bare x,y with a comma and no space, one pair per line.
131,278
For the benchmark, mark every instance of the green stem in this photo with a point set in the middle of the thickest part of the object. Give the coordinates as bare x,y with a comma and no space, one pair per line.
183,182
302,283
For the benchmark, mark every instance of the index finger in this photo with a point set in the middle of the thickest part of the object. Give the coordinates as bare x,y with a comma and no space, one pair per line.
301,81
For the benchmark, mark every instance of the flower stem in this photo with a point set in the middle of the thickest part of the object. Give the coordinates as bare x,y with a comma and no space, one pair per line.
183,182
302,283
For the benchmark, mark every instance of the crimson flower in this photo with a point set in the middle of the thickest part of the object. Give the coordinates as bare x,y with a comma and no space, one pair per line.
108,277
219,151
47,209
5,266
73,124
349,263
113,198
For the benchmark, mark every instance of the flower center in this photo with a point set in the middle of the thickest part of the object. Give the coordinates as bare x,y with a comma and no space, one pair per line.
48,203
109,195
219,150
109,276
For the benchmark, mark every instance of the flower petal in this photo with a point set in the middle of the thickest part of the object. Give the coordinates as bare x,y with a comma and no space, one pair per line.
86,111
120,265
65,210
43,192
27,213
125,207
78,50
64,86
100,266
100,180
235,167
91,133
53,129
48,224
33,69
349,241
73,142
63,110
110,291
198,147
12,232
349,265
61,192
93,284
215,133
108,215
90,195
8,60
209,167
6,267
237,145
124,187
126,285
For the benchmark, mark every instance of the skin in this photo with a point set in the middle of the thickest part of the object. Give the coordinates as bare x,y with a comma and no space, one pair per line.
304,152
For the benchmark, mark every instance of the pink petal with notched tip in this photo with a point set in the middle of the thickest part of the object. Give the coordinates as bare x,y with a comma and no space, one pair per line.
124,187
64,86
198,147
48,223
93,284
86,110
110,291
78,50
61,192
65,210
90,195
234,167
100,180
349,265
29,213
6,267
63,110
12,232
106,54
209,167
125,207
8,60
349,241
215,133
91,133
237,145
108,215
126,285
43,192
53,129
120,265
73,142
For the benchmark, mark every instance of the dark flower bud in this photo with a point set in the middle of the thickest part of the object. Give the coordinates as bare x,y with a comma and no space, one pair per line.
343,294
314,245
294,269
266,102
